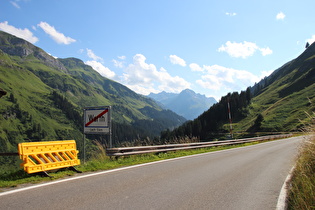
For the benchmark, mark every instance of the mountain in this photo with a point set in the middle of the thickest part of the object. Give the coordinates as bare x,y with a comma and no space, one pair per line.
281,102
46,96
187,103
286,97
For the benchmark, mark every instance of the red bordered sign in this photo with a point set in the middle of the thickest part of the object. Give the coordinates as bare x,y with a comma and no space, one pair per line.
97,120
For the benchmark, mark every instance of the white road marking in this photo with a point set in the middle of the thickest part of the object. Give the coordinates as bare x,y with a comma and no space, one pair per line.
115,170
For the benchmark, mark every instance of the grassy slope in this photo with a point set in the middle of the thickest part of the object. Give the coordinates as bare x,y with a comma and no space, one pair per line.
285,102
30,94
106,91
280,114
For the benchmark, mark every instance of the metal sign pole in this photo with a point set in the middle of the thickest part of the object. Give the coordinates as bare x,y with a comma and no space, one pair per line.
83,137
83,148
110,127
230,118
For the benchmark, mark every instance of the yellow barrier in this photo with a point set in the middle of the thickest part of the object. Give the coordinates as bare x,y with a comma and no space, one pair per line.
45,156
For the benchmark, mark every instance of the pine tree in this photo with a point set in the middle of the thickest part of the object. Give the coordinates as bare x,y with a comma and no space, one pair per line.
307,45
258,121
2,92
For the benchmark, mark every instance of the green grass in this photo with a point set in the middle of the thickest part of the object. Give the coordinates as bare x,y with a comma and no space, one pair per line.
280,114
102,162
13,179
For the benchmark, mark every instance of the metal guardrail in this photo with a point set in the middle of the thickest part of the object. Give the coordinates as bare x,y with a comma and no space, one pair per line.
126,151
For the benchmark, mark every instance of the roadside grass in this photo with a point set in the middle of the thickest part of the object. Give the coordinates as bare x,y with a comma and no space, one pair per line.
100,162
302,188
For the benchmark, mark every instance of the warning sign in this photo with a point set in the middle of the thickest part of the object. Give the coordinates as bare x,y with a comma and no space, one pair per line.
97,120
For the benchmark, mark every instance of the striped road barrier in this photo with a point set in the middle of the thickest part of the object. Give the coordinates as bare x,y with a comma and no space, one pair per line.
50,155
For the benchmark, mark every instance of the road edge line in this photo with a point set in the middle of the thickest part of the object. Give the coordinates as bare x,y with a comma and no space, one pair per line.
120,169
282,203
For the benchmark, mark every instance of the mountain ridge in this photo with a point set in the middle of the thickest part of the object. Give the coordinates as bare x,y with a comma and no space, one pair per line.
187,103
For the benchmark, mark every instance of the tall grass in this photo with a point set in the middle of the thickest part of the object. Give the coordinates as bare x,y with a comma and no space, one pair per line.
302,190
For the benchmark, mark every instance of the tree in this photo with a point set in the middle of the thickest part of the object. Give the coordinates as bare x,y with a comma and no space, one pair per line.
258,121
12,98
307,45
2,93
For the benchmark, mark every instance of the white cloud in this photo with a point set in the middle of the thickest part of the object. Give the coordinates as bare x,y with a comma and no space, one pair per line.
222,78
177,60
21,33
237,50
311,40
92,55
119,63
243,50
144,78
280,16
100,68
60,38
265,74
209,82
122,57
15,4
265,51
230,14
195,67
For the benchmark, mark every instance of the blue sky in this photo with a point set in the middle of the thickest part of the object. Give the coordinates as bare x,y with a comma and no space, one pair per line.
210,46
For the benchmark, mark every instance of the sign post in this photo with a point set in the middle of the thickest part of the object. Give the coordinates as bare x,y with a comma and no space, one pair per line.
97,120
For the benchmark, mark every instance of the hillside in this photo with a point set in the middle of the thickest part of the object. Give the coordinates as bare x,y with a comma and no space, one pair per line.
280,102
187,103
46,96
286,97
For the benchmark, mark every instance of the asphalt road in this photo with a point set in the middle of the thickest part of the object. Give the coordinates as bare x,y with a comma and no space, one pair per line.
243,178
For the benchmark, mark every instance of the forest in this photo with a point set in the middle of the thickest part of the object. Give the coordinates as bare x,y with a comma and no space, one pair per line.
209,125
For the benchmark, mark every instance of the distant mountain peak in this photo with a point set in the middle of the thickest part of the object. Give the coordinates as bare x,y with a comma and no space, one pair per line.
187,92
187,103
